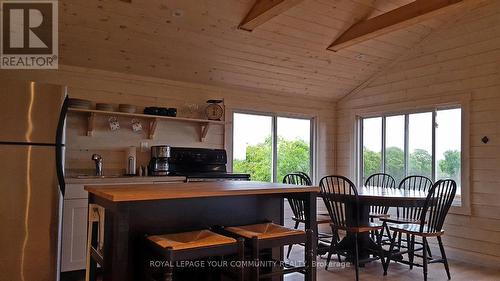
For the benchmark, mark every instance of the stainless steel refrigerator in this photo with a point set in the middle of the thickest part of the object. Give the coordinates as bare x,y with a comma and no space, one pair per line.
32,117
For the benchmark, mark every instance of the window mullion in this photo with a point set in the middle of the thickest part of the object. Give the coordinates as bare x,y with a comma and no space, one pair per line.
383,143
361,159
274,149
407,145
312,149
434,145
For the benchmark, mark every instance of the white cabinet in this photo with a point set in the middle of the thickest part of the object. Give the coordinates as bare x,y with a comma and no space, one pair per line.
74,234
74,221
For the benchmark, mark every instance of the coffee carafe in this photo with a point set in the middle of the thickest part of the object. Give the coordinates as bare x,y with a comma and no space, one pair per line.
158,165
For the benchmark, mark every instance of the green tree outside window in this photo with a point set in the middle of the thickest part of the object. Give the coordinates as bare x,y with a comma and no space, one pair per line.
293,156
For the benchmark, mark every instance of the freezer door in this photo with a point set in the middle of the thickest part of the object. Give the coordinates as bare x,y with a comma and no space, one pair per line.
29,219
30,111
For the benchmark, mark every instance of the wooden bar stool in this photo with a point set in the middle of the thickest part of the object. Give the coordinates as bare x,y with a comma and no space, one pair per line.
267,236
189,246
95,241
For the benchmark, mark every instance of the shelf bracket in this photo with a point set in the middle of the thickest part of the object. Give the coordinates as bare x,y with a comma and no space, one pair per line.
152,128
90,124
203,131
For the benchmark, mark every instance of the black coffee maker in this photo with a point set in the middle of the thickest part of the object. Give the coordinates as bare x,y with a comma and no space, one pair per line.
158,165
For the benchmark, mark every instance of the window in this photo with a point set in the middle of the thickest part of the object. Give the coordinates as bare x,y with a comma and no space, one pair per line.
252,145
448,146
395,147
294,146
269,146
372,134
423,143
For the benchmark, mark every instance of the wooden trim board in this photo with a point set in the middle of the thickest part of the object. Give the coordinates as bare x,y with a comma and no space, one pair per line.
399,18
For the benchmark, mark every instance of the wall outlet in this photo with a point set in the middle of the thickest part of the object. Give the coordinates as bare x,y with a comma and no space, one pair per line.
144,146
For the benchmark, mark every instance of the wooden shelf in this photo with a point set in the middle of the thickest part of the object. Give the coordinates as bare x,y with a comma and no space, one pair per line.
203,124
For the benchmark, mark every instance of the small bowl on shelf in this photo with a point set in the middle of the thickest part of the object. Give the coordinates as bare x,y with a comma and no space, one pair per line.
104,107
79,103
127,108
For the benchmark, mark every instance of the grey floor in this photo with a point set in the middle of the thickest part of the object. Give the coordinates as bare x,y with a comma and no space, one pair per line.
373,271
397,272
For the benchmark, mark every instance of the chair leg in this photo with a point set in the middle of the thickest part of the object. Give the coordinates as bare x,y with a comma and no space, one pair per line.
429,251
382,257
386,227
389,255
241,259
289,251
379,236
333,247
330,252
424,257
372,234
92,269
337,239
255,258
168,274
356,256
399,241
411,254
411,249
290,246
443,256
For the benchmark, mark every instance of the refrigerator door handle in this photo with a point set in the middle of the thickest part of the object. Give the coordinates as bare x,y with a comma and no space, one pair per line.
60,146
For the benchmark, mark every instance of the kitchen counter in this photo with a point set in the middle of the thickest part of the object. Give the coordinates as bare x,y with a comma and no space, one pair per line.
125,180
140,192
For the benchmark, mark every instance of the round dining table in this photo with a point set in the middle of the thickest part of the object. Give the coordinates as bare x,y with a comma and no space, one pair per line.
375,196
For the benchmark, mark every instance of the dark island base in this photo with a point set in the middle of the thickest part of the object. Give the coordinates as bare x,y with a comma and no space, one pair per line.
128,222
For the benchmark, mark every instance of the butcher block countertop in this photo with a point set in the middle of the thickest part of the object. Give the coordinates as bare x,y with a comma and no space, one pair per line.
142,192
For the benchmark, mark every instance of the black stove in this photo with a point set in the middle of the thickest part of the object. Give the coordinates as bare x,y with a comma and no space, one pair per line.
201,164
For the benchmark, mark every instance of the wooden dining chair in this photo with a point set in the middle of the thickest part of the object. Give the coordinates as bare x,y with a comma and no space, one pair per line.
377,212
436,207
412,183
298,206
384,181
306,176
340,197
409,214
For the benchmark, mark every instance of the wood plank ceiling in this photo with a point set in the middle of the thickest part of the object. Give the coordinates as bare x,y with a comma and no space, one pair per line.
198,41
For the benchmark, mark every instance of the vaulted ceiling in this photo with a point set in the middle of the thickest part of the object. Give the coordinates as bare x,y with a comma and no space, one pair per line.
199,41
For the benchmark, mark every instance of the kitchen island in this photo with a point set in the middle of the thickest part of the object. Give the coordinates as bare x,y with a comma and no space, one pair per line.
133,211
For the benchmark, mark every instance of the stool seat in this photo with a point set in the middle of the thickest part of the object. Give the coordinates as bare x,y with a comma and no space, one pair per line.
264,231
190,240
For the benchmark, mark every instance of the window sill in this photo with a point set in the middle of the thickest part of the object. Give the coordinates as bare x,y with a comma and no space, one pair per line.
460,210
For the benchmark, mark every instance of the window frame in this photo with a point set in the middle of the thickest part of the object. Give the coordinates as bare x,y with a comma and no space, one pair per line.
463,104
274,132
